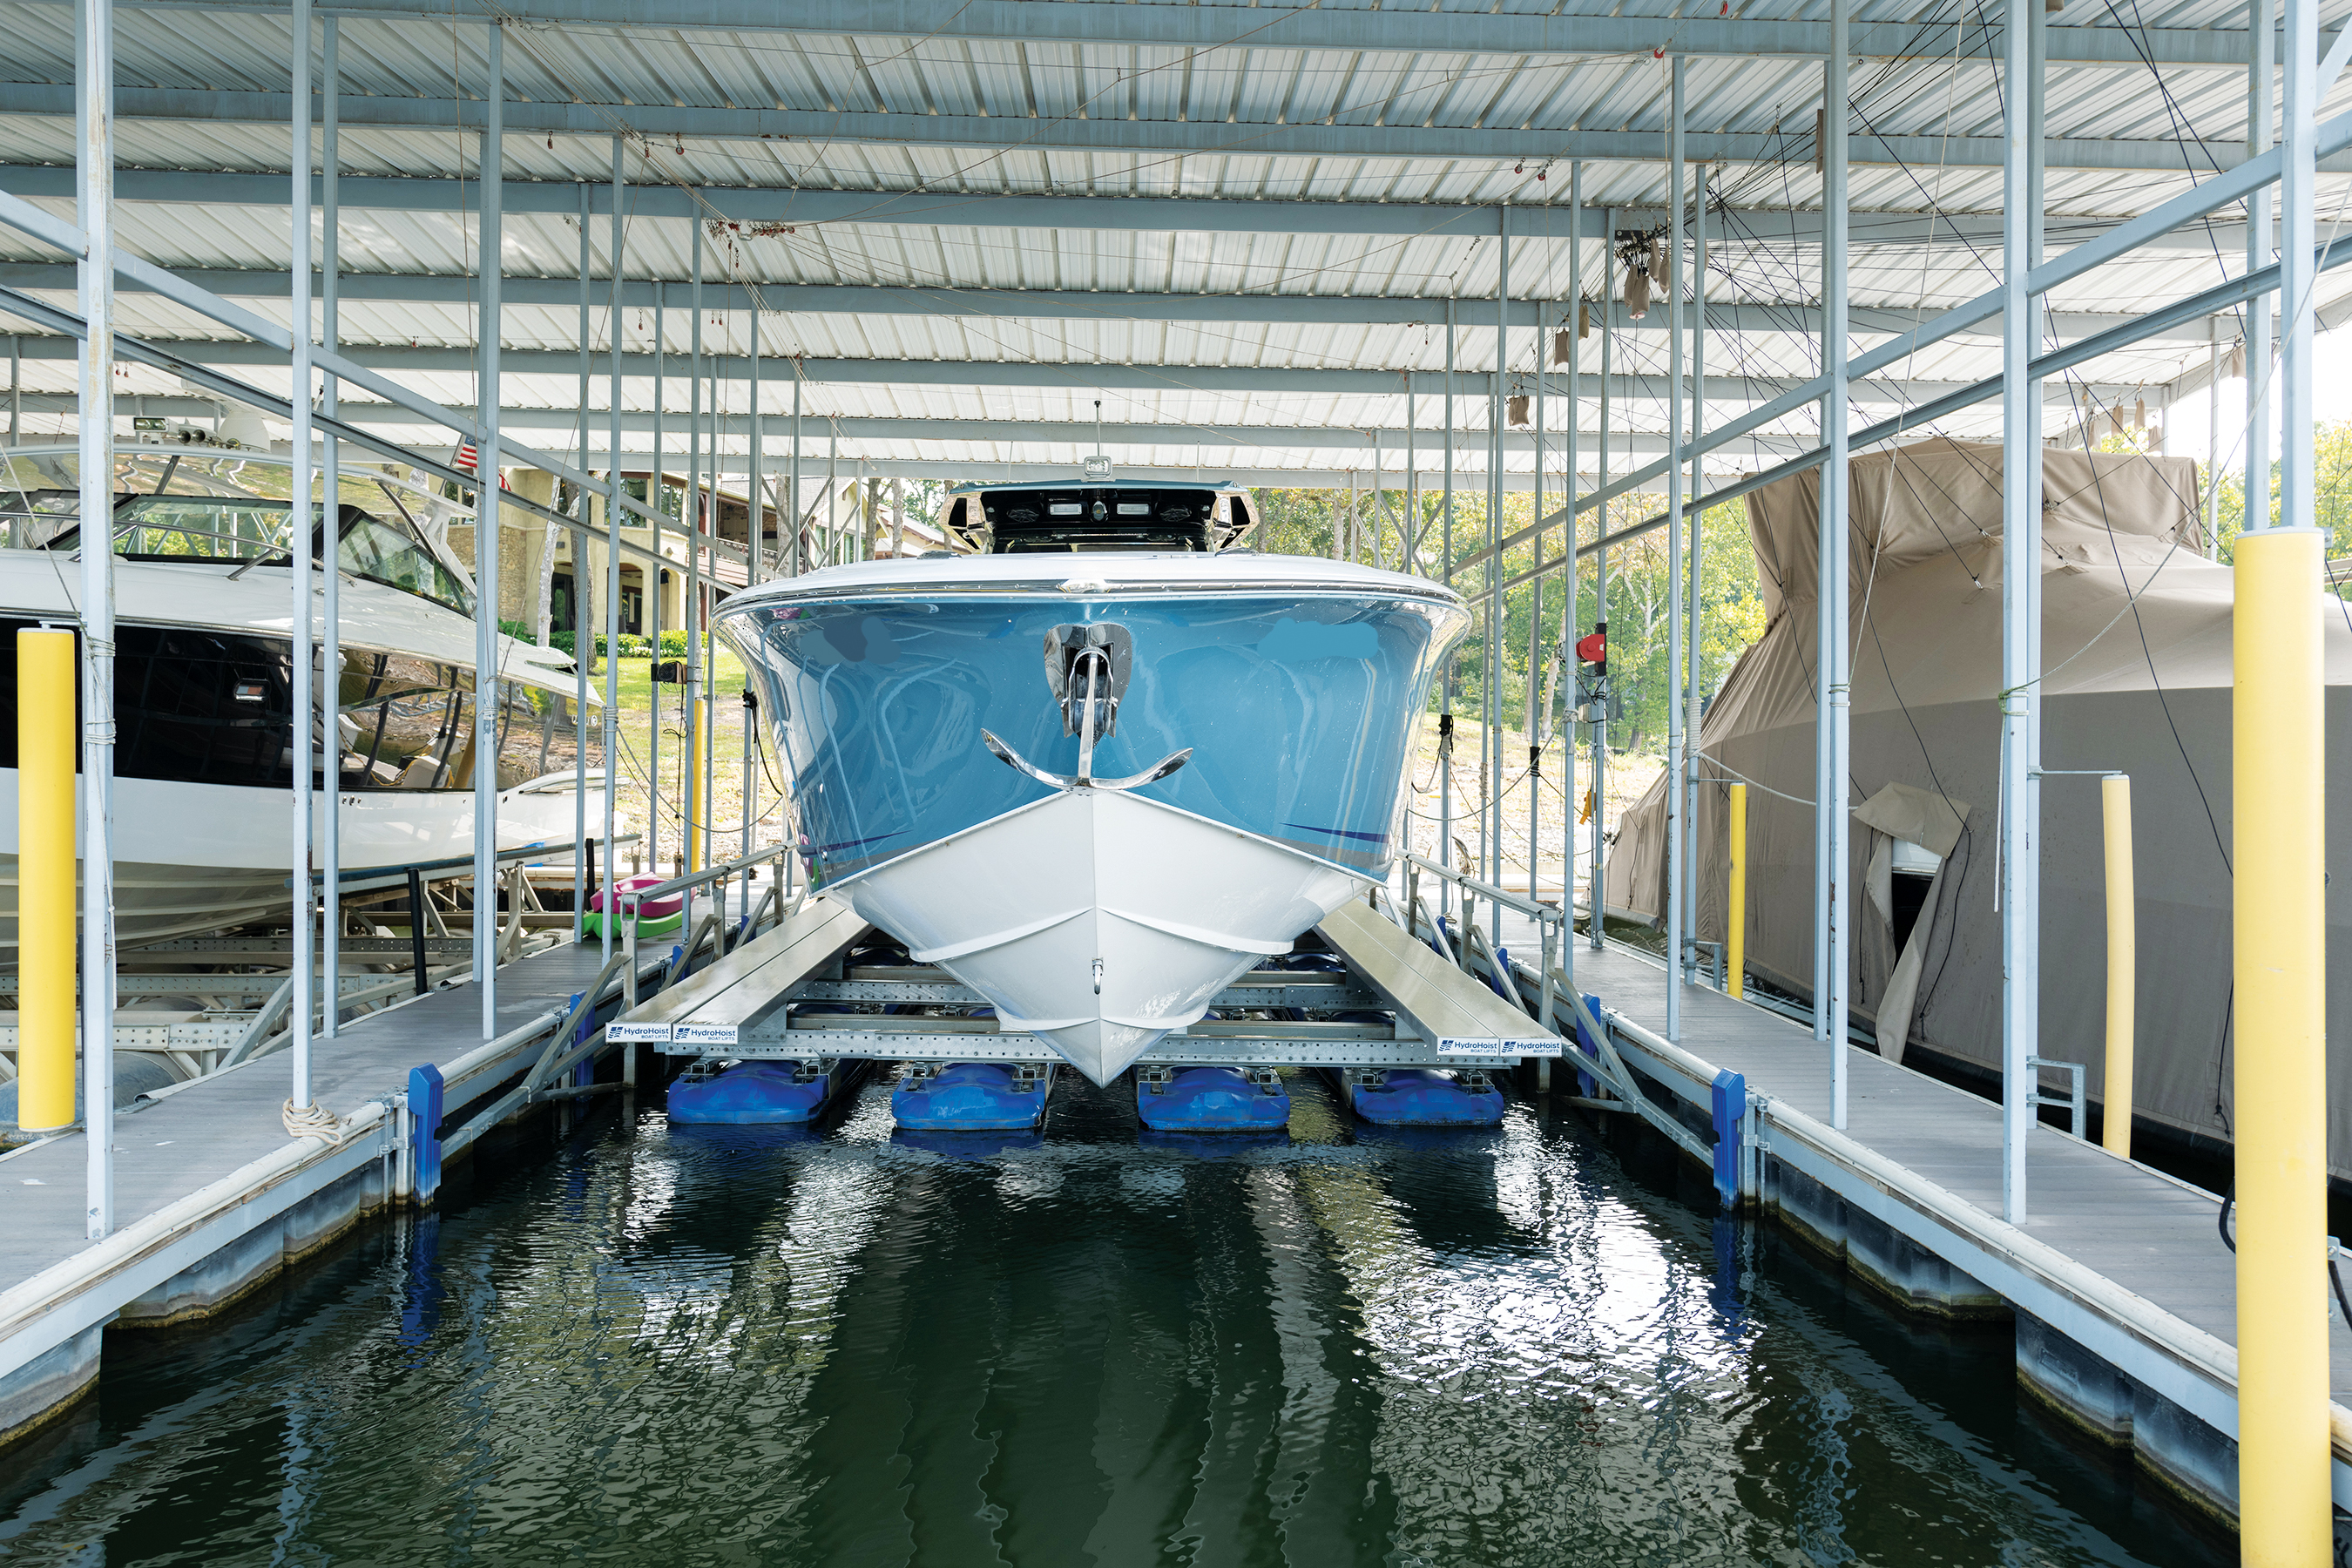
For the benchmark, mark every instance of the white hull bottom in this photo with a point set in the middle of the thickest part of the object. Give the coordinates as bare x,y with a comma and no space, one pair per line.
190,859
1096,920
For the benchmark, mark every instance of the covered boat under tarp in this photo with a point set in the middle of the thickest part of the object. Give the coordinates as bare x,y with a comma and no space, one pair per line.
2136,628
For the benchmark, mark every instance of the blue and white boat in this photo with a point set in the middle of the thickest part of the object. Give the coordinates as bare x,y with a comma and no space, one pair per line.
1104,766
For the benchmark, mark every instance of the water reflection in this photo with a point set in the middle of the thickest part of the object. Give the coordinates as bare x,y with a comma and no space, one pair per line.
859,1346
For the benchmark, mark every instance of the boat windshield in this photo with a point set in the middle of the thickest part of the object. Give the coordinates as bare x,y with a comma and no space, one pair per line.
1086,519
251,529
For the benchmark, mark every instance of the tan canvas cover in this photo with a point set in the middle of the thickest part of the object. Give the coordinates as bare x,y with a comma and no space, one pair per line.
2136,661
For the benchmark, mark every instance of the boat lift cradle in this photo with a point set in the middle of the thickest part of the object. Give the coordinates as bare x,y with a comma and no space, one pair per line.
788,995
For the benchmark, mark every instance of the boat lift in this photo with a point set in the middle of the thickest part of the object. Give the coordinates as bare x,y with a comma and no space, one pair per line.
790,994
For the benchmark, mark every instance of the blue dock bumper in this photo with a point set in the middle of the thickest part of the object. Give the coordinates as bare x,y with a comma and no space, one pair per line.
1212,1099
971,1097
1423,1096
759,1092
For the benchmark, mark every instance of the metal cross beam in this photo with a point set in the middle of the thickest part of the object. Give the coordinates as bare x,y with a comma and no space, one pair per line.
1768,226
1036,133
1105,23
1042,304
1236,379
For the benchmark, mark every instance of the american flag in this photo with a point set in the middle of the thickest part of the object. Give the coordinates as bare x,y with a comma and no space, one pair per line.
467,457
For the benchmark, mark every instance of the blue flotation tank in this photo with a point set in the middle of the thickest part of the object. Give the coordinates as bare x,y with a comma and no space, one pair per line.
1210,1099
756,1091
1421,1097
970,1097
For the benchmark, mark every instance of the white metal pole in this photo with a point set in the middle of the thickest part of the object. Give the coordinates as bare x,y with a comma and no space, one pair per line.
301,613
330,642
2213,439
612,494
656,483
1834,655
485,546
2262,69
1677,913
1491,708
1446,738
694,796
94,204
755,526
2018,882
1596,892
1692,737
1568,622
583,641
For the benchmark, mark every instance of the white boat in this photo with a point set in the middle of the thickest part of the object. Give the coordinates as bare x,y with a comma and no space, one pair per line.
1209,757
204,784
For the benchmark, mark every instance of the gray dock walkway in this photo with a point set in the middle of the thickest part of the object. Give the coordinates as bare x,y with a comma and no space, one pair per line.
204,1131
2149,1236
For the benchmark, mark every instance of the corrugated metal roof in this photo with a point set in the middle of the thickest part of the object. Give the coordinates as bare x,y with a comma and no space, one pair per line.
1247,91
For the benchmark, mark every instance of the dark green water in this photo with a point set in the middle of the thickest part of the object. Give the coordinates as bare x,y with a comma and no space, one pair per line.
680,1346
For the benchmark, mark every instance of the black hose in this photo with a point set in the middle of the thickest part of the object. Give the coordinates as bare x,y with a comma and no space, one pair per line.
2334,1280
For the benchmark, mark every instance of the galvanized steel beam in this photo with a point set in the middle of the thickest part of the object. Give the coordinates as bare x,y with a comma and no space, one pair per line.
1453,33
1037,133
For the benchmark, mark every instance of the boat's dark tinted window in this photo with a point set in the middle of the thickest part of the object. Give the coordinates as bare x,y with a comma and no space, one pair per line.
200,707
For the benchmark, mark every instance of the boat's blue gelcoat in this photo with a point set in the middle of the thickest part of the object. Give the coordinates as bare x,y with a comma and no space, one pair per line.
1423,1096
1212,1099
760,1092
1299,709
969,1097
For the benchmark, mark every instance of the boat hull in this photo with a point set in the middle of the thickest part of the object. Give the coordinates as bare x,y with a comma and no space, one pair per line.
1097,919
195,857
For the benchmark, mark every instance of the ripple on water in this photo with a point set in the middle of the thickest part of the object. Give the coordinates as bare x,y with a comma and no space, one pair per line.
1085,1345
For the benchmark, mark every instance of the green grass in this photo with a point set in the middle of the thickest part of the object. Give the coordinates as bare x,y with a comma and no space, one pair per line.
635,711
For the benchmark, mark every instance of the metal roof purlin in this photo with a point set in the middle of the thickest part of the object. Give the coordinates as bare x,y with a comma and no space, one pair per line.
2154,154
1563,35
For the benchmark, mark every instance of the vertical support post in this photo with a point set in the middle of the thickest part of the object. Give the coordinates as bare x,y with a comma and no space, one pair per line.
583,641
612,494
1834,655
1535,615
2020,847
657,484
1735,915
2262,68
94,202
2213,439
44,878
331,641
792,517
1596,894
2123,962
755,525
1677,911
1490,751
1445,713
690,613
1410,552
487,529
1692,714
15,390
306,698
1574,325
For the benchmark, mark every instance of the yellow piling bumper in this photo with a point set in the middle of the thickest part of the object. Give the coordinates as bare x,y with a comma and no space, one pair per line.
2280,1078
44,878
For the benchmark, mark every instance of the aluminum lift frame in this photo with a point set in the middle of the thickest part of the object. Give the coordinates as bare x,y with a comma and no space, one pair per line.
742,1007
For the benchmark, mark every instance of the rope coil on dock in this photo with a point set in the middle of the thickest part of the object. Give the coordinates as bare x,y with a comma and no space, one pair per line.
312,1121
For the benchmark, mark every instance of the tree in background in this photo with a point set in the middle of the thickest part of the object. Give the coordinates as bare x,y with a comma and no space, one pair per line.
1731,606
